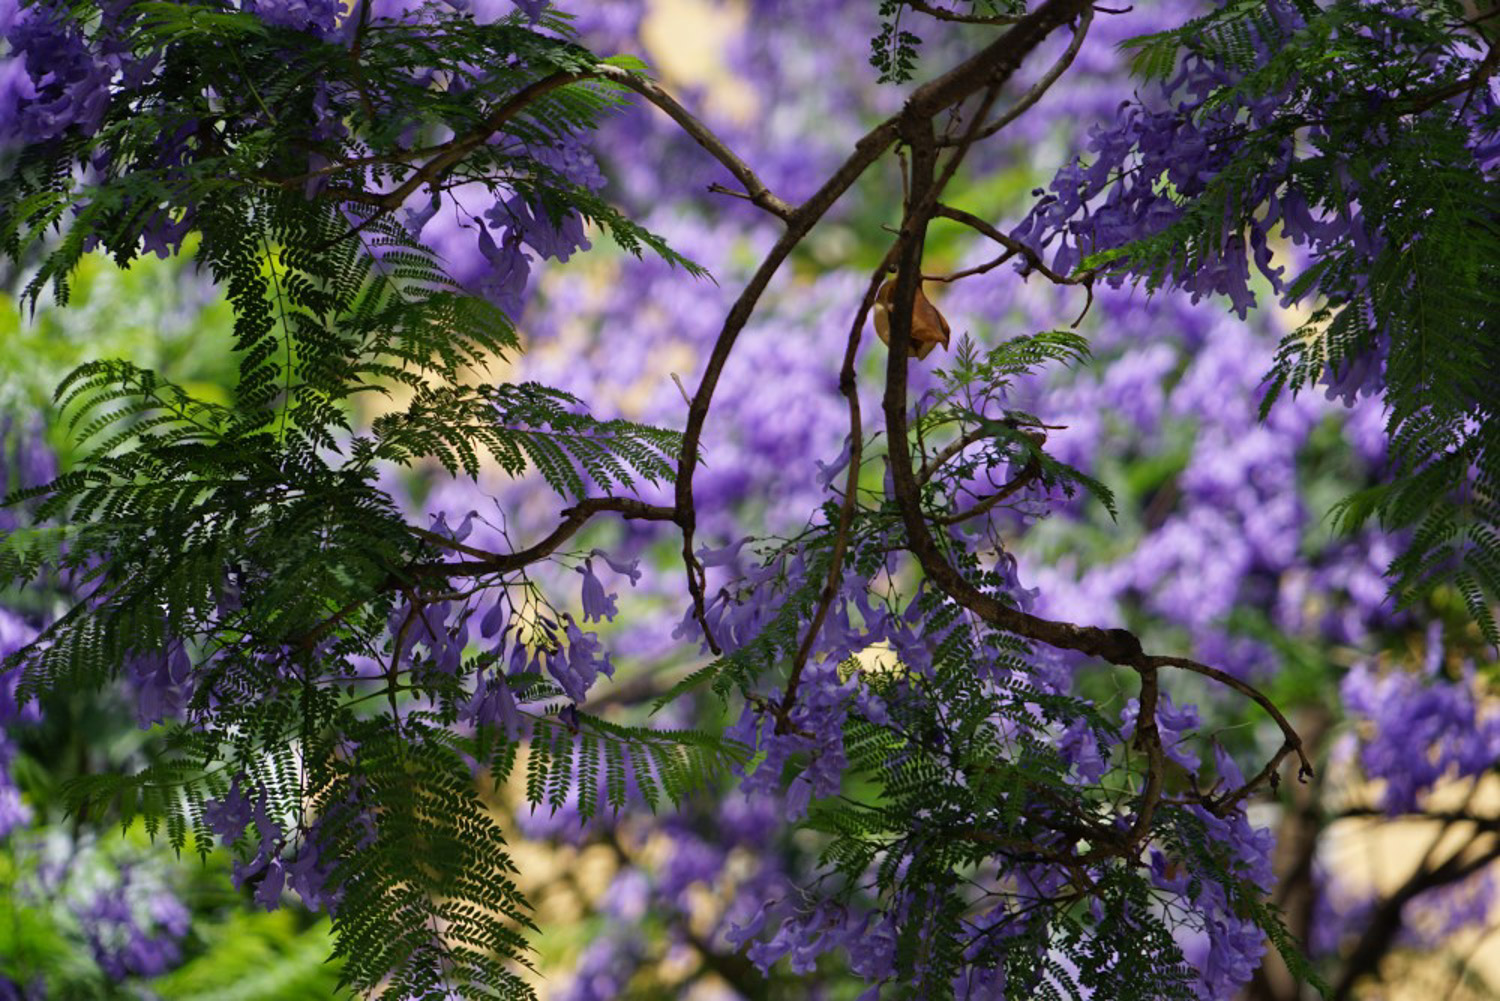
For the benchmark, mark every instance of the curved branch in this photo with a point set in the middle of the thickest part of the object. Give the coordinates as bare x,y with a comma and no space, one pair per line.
850,391
1293,743
1014,246
974,436
485,562
573,519
445,156
1040,88
978,269
756,191
942,14
1019,482
799,224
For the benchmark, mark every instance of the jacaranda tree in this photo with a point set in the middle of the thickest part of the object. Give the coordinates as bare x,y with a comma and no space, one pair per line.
340,690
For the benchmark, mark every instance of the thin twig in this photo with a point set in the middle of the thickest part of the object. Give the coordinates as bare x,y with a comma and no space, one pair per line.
850,390
1040,88
573,519
446,156
1028,475
943,14
1033,259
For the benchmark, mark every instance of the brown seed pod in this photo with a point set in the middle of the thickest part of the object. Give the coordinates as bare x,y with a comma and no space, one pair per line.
928,326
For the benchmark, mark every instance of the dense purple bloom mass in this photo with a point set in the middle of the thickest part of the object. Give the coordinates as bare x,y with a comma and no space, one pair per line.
131,936
54,79
1422,731
320,16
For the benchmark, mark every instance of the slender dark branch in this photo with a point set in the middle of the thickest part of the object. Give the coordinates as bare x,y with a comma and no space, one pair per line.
850,390
755,189
484,562
573,519
1040,88
1118,646
1033,259
1028,475
1382,927
445,156
356,50
1148,739
942,14
973,436
448,155
978,269
993,64
930,467
1293,741
1479,820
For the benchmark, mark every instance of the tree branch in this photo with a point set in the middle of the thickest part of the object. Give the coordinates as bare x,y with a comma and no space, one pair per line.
1293,743
755,189
1033,259
1117,646
445,156
848,387
1040,88
1019,482
1385,924
988,68
573,519
942,14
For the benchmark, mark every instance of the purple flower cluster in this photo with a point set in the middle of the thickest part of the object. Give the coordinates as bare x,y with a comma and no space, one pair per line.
1219,940
304,873
470,218
134,930
53,78
1131,158
1268,154
317,16
1416,731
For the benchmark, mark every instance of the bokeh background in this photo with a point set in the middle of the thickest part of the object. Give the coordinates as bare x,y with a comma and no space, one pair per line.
1222,550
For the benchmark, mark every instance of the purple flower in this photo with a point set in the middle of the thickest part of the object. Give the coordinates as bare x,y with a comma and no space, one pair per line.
133,928
597,605
493,619
494,704
631,569
319,16
722,557
228,817
273,880
163,684
67,83
531,8
576,665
